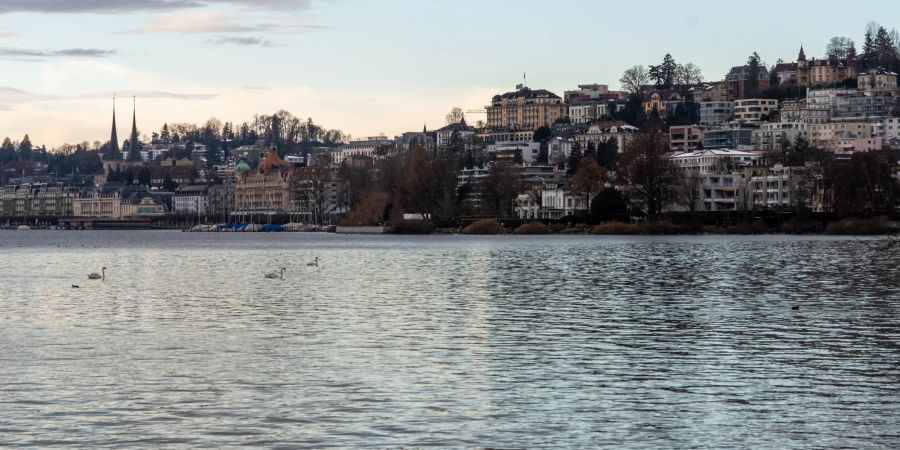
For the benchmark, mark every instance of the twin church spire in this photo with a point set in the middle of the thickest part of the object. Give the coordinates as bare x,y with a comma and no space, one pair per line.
134,146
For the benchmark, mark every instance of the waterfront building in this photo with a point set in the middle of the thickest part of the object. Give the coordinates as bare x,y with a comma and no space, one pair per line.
558,202
191,200
268,190
781,187
118,202
37,200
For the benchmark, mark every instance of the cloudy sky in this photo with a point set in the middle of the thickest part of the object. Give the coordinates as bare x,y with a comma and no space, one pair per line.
364,66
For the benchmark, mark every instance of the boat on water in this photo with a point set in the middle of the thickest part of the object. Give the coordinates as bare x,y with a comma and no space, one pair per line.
23,228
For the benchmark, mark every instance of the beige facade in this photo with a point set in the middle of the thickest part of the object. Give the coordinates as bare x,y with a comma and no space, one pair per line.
525,109
270,189
754,109
118,203
685,138
823,72
658,101
839,136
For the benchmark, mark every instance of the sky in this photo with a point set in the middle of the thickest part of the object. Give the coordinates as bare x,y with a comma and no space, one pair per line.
363,66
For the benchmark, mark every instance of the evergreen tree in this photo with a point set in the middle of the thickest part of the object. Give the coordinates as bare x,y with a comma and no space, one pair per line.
25,149
574,158
144,177
753,70
164,135
868,54
169,184
7,152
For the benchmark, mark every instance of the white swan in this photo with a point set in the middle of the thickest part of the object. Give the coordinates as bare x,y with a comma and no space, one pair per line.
98,276
315,263
276,275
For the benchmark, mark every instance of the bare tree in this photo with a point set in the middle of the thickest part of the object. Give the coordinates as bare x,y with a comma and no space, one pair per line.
687,191
588,179
839,47
647,172
634,78
455,115
688,74
312,186
500,187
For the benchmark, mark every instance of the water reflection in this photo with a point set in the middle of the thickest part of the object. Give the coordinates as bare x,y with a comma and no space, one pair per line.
505,342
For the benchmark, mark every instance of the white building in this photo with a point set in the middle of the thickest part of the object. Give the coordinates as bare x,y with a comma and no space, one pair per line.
559,149
463,131
365,147
777,135
191,200
587,111
508,151
557,203
777,188
598,132
717,176
713,161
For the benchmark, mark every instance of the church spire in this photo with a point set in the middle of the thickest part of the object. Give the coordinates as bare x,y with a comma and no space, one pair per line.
134,143
114,152
802,56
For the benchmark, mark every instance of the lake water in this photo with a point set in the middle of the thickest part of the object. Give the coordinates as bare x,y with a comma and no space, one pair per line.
455,341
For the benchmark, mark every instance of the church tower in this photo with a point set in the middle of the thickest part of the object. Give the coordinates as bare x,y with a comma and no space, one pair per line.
134,143
114,152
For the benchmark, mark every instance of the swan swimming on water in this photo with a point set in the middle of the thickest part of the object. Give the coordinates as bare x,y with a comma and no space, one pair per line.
315,263
98,276
276,275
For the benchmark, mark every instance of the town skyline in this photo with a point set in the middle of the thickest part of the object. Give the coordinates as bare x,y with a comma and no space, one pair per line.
62,93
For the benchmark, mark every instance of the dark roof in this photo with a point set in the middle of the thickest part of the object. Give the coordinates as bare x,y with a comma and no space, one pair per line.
458,126
526,93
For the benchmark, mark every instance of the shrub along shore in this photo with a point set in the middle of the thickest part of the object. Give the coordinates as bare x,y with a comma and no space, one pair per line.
821,224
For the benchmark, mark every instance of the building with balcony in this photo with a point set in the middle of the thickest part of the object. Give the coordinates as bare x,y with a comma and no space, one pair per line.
716,113
754,110
777,136
525,109
685,138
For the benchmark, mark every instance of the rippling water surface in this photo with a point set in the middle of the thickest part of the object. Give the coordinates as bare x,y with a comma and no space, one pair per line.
447,341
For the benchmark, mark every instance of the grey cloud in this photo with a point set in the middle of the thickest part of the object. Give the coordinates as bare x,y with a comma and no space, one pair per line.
242,41
33,54
126,6
14,95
